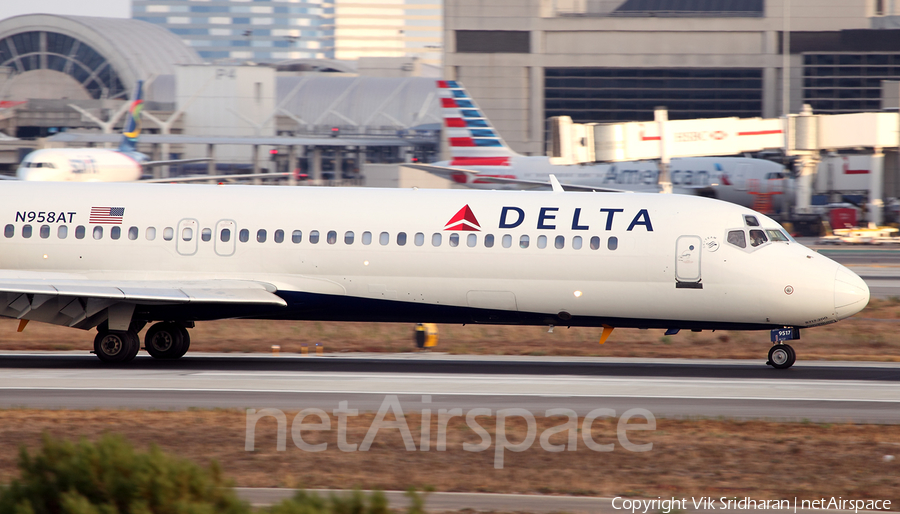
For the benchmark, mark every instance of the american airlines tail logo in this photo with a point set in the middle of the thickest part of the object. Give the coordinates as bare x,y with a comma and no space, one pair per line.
464,219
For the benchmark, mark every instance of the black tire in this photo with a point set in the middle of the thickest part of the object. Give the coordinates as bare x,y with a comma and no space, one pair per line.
185,341
164,341
793,354
134,344
115,346
781,356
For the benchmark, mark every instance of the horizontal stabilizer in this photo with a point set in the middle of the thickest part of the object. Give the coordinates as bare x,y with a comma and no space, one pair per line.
442,171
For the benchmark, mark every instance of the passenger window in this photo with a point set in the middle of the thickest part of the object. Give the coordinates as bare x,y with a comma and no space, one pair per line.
757,237
348,238
751,221
737,238
367,238
296,236
612,243
314,237
62,232
115,232
225,235
576,243
560,242
205,234
261,235
776,235
489,240
98,233
420,239
133,233
454,240
401,238
26,231
384,238
279,236
9,231
523,241
150,233
331,237
79,232
45,231
507,241
542,242
187,233
471,240
595,243
168,233
436,239
244,235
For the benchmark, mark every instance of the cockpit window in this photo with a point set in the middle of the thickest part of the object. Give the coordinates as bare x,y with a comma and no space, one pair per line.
757,237
776,235
751,221
737,238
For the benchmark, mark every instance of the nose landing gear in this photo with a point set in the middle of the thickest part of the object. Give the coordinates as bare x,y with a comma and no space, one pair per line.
782,356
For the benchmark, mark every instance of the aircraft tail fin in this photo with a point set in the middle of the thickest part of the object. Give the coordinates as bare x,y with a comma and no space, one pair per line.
473,140
133,121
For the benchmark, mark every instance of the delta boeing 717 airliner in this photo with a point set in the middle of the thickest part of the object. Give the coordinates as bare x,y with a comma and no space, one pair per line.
116,257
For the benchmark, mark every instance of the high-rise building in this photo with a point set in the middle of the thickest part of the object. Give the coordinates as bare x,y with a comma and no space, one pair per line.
264,31
277,30
388,28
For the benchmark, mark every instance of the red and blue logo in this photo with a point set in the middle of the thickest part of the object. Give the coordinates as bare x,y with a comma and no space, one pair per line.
473,142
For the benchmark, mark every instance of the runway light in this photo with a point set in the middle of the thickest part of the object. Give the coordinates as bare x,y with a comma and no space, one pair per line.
577,294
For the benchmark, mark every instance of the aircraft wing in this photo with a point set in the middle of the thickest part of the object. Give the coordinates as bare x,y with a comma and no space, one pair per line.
547,184
442,171
150,164
203,178
74,301
448,173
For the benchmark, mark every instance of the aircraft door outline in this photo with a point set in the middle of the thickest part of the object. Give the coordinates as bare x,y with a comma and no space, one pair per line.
186,236
740,176
225,248
687,262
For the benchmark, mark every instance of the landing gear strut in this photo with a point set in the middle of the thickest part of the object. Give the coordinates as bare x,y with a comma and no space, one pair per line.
782,356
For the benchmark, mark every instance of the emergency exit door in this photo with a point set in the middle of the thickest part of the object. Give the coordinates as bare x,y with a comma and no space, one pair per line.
687,262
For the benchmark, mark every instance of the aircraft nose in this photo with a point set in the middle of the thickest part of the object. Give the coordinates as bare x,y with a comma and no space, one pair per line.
851,294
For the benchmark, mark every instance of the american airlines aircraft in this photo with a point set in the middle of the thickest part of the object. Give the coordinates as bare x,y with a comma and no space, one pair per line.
108,256
481,159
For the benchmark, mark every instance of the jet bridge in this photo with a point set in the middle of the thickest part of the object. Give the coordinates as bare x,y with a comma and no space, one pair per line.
806,136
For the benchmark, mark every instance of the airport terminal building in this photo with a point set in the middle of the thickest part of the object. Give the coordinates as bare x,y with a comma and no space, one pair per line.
616,60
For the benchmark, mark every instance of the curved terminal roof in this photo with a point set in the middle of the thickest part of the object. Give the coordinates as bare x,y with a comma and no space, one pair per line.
364,102
105,55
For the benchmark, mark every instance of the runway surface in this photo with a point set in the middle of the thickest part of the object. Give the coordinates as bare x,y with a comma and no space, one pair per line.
833,392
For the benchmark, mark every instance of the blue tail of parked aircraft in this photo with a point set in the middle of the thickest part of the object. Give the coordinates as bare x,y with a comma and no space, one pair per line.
133,122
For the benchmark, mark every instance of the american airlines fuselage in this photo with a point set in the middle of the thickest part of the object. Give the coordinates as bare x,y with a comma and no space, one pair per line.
739,180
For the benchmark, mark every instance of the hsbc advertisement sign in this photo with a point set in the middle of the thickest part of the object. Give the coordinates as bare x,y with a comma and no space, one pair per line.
685,138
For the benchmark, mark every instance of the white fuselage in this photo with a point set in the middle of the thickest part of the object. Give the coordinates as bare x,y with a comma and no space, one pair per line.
739,180
639,260
79,165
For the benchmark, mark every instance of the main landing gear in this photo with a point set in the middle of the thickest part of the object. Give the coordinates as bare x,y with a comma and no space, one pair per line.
782,356
164,340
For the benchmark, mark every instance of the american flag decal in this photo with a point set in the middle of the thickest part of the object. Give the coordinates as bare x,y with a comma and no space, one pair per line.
107,215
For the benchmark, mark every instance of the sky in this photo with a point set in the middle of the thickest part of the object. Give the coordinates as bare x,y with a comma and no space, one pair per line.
106,8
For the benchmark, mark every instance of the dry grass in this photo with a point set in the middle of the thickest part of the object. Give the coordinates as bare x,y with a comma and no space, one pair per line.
868,336
689,457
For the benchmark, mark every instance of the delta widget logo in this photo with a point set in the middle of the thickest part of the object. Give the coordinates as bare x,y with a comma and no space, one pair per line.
464,219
